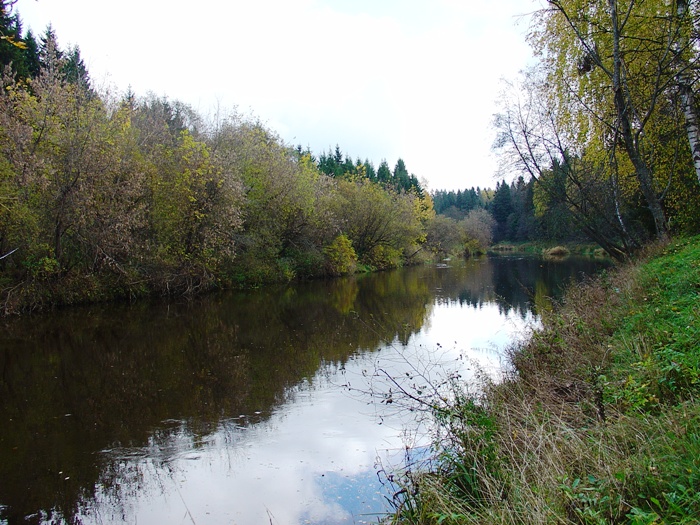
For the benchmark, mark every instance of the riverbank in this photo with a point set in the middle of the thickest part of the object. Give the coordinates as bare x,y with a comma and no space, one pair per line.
599,421
542,248
48,289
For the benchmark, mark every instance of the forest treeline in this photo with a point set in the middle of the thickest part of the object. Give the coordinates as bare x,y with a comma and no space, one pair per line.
105,195
521,212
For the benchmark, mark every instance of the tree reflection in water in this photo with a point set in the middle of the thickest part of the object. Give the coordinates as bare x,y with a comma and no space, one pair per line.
108,412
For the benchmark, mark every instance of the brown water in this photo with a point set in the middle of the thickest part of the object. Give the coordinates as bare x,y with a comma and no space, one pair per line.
244,408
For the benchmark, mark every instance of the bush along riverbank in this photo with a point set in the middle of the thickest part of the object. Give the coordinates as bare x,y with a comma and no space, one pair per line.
598,422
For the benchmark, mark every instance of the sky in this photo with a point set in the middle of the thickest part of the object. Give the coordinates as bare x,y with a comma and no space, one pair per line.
382,79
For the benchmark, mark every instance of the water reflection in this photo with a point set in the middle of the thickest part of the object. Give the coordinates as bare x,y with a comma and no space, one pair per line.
228,409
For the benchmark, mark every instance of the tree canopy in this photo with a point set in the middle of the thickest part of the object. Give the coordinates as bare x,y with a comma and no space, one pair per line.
610,106
105,195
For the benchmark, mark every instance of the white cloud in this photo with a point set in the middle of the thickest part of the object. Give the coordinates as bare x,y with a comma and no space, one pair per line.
415,79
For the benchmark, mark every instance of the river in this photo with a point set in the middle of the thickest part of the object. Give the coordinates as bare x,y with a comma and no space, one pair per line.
266,406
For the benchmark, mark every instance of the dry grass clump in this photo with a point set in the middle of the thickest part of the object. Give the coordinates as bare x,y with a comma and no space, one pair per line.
557,251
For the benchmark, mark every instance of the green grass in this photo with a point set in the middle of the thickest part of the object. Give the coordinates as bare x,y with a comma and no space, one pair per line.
599,424
659,339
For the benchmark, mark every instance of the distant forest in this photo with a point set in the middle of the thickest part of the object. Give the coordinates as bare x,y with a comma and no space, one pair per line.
517,216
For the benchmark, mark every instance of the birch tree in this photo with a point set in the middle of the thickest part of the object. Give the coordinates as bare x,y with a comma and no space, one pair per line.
538,137
615,64
686,58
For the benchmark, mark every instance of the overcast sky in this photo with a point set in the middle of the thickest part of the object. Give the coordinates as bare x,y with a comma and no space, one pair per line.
383,79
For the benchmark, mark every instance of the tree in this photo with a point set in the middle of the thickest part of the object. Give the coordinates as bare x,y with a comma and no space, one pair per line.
19,220
443,236
75,71
383,172
401,176
31,53
11,45
521,222
685,24
160,121
21,54
50,54
370,171
195,212
280,228
73,178
550,203
478,230
501,208
612,66
538,134
382,225
65,149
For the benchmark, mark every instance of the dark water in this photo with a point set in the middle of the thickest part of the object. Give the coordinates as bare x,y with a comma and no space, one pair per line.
234,408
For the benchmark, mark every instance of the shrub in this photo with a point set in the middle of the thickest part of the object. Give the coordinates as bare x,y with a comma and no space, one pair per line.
340,256
383,258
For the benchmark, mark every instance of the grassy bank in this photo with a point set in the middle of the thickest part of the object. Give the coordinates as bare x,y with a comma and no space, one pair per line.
599,422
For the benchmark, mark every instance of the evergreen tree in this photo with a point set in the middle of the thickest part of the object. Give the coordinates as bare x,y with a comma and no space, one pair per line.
348,167
384,173
415,184
401,177
11,45
501,208
338,155
332,163
31,54
370,171
74,69
520,223
326,163
50,54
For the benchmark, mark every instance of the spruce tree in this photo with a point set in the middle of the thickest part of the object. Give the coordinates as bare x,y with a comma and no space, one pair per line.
50,55
401,178
384,173
11,44
74,69
501,208
370,171
31,54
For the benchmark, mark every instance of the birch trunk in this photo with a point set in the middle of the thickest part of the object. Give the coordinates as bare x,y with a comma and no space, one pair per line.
692,126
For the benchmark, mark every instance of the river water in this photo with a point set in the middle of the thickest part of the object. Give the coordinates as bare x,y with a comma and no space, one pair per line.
267,406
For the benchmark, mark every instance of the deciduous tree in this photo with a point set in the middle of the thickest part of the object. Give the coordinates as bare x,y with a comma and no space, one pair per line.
613,68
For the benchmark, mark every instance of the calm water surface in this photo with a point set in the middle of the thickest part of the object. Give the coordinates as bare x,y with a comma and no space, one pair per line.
244,408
